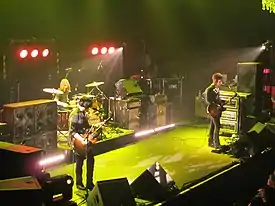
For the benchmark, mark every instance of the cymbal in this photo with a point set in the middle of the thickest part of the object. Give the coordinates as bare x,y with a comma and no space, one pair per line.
94,84
52,91
80,95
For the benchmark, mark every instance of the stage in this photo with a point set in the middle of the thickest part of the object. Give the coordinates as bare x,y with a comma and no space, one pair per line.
182,151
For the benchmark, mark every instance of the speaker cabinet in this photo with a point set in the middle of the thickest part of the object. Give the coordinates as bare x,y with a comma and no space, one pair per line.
21,191
154,184
20,120
46,140
248,76
160,115
19,160
127,113
45,116
114,192
31,119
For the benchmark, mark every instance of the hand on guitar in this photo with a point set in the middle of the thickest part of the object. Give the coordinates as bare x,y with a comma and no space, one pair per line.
84,141
92,138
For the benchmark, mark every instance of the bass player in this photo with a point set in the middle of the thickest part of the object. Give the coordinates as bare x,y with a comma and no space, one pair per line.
78,125
212,96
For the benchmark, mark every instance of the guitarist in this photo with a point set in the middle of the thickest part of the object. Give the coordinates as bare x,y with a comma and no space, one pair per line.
77,128
212,96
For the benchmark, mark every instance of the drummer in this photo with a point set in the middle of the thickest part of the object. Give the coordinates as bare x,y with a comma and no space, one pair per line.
63,99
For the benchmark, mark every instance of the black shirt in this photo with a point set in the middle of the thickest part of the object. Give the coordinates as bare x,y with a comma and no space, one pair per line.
212,95
78,122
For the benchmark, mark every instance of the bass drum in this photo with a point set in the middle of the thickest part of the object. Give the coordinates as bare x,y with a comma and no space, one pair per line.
93,117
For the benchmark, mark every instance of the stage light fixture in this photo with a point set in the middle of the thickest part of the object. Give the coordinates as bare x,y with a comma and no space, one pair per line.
111,50
94,51
45,52
23,54
267,45
34,53
104,50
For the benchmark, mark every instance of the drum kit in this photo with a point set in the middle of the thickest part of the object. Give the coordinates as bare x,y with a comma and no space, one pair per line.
95,114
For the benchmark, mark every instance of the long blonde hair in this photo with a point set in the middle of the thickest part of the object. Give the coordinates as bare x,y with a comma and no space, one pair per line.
65,85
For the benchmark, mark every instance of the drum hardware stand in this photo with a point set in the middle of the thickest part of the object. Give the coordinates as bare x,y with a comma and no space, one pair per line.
100,92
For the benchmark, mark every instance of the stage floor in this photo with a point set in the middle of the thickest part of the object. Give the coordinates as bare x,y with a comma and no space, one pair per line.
183,152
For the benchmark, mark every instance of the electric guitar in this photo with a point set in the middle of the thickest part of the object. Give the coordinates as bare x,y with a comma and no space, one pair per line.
91,136
215,110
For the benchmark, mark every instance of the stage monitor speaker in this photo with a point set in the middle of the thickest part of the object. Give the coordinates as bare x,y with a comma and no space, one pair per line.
19,160
248,76
114,192
262,134
258,138
23,191
57,189
127,88
154,184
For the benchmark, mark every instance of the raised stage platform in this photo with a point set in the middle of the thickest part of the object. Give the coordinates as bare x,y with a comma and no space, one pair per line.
182,151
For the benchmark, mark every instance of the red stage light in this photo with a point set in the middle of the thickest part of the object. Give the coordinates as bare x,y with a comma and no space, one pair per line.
266,71
23,53
34,53
45,52
111,50
104,50
94,51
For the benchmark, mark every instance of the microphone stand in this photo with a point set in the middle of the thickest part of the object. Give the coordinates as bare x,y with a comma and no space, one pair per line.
68,72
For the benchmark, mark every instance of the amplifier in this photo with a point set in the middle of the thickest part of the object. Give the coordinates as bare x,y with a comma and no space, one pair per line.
129,104
159,115
127,88
231,115
226,95
123,104
128,118
229,127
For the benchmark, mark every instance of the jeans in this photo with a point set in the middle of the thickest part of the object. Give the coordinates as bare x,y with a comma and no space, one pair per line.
214,131
90,168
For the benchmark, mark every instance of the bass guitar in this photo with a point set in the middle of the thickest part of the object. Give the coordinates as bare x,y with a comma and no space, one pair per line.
91,136
215,110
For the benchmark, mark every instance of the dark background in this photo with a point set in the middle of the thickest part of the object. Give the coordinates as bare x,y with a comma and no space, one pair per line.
190,38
